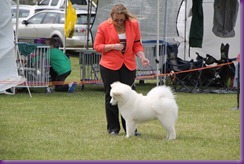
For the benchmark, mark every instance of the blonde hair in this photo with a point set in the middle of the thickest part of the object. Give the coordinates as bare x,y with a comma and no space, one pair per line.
121,9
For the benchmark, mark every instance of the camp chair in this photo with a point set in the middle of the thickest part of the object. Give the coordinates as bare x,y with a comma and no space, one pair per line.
218,76
210,76
188,81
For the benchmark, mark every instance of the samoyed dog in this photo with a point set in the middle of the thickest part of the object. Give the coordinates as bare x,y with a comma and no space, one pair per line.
159,103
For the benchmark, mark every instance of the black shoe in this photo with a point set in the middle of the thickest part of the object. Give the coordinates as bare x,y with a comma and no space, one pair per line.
137,134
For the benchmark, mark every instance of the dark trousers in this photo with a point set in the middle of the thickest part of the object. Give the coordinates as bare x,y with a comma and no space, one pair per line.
125,76
58,81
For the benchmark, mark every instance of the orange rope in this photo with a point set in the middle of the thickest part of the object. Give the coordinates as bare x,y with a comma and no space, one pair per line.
185,71
100,81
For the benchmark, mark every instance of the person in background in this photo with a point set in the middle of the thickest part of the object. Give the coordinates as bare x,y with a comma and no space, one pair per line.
60,68
118,39
236,76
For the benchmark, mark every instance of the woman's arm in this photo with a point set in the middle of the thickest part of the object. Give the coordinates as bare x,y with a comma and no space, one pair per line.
117,46
144,60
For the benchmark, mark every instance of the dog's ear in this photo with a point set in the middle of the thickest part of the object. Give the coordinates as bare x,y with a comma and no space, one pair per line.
117,94
114,84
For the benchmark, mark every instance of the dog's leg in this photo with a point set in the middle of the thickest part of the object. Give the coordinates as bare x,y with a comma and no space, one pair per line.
168,124
130,128
171,134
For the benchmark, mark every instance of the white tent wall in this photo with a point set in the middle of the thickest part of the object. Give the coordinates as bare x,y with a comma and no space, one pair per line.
211,42
8,68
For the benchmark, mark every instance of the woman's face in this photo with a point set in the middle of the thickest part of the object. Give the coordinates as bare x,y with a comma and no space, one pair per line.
118,19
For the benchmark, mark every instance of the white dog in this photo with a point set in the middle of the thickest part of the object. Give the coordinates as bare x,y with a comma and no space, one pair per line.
159,104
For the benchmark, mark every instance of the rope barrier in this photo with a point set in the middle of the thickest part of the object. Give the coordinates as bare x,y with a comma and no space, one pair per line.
151,76
184,71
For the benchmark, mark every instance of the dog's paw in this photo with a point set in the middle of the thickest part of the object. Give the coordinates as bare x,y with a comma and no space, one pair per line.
171,136
128,136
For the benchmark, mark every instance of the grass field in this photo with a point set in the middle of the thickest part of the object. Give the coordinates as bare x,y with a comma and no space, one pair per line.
62,126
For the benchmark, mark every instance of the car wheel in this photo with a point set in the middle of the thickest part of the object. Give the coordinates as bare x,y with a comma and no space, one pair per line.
59,41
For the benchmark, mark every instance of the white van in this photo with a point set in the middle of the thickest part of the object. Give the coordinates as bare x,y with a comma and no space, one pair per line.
58,4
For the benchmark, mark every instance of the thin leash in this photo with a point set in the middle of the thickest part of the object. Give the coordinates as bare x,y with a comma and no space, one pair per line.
151,73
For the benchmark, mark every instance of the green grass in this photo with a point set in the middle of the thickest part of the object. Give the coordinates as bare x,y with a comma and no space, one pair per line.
62,126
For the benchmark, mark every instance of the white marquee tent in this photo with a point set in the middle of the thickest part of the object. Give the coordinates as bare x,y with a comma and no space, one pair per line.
8,69
211,42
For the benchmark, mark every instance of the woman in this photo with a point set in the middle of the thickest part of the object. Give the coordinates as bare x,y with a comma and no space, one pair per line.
118,39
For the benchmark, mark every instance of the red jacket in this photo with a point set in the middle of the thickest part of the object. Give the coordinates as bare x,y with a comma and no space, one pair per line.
114,59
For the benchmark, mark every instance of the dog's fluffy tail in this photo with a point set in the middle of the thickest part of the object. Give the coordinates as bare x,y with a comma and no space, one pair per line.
161,91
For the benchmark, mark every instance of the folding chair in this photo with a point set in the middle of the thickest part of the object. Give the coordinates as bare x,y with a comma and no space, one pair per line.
218,76
181,78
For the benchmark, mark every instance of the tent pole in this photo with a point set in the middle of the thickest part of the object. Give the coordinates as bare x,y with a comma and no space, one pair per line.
17,53
17,23
157,44
64,46
89,9
165,38
185,30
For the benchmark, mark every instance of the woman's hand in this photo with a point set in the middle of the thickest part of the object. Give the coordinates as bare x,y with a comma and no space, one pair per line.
145,61
118,46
